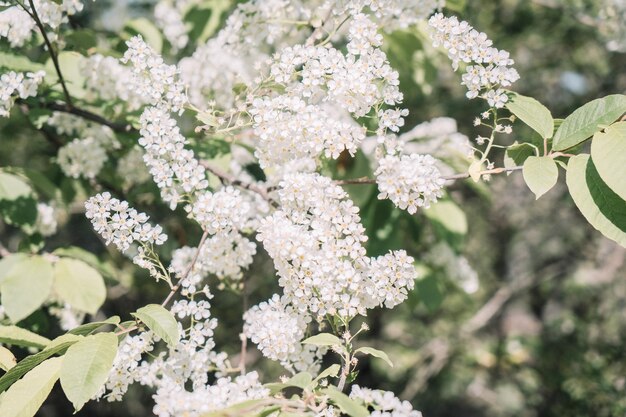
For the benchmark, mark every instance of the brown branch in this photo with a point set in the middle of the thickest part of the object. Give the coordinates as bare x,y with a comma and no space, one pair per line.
367,180
231,180
53,55
85,114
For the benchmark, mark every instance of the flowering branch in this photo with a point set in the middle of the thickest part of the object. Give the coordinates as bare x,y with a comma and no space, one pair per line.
230,179
367,180
53,55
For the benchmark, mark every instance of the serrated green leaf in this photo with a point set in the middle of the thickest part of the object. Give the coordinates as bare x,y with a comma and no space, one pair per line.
7,359
323,339
331,371
586,120
345,403
25,397
56,347
449,215
376,353
26,287
540,174
300,380
86,366
13,335
79,285
533,113
517,153
88,328
582,189
160,321
19,63
608,152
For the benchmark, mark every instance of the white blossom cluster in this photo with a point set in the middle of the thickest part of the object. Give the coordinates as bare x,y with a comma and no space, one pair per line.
16,26
121,225
132,169
69,318
491,67
168,16
225,256
290,129
46,223
396,14
277,328
106,78
153,78
22,85
383,403
221,212
409,181
86,155
316,241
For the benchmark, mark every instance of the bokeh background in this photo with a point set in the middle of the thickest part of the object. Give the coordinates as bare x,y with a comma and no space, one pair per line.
520,309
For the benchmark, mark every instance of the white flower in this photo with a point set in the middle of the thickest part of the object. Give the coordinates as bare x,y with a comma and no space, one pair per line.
467,45
383,403
409,181
16,25
22,85
222,211
82,158
46,223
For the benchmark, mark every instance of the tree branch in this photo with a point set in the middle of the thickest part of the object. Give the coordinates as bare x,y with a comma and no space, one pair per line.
85,114
53,55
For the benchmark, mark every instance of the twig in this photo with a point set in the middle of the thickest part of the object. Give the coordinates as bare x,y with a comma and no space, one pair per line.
187,271
53,55
311,39
367,180
85,114
230,179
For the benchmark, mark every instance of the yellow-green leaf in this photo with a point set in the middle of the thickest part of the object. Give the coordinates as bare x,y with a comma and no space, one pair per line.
533,113
86,365
608,151
7,359
160,321
79,285
25,397
540,173
13,335
376,353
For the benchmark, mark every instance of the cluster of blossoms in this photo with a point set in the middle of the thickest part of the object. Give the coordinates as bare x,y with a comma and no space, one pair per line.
69,318
383,403
22,85
168,16
409,181
121,225
277,329
46,224
225,256
492,67
316,241
106,78
85,155
17,26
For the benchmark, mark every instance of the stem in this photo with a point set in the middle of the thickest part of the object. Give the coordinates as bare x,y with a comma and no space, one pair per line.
85,114
53,55
187,271
366,180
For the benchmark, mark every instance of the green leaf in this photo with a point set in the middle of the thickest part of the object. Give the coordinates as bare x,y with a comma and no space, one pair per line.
345,403
608,151
541,174
587,120
430,292
89,258
17,205
86,366
89,328
13,335
26,287
449,215
25,397
8,262
376,353
79,285
533,113
323,339
583,188
18,63
70,63
7,359
517,153
331,371
160,321
148,31
57,347
300,380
